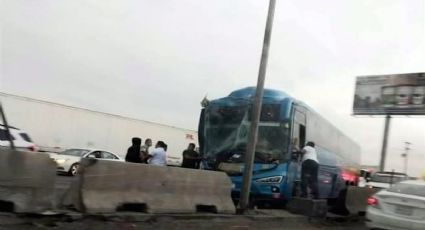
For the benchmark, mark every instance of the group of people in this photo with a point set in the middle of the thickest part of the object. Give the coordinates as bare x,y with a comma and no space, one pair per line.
138,153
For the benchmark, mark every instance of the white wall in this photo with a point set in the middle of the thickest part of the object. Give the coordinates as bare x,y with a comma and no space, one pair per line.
52,125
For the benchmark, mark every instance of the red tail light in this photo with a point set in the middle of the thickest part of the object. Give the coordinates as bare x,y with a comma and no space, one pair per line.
31,148
372,201
348,177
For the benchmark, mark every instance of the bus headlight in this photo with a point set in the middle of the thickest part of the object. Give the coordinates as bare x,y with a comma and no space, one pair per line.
270,180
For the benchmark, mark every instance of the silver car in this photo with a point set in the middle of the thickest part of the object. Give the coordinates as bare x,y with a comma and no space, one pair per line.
400,207
68,161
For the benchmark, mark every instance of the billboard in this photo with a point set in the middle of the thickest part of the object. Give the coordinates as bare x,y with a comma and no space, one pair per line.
397,94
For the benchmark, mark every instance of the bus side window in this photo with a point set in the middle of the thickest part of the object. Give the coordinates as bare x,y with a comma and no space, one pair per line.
302,136
300,128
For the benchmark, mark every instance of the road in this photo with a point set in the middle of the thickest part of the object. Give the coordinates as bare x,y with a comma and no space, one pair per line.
264,219
164,222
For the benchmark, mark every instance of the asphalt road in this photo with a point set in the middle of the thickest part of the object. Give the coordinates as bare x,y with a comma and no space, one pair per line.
266,219
12,222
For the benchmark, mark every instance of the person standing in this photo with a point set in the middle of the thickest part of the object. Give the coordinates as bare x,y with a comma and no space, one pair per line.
133,152
144,150
190,157
309,171
158,156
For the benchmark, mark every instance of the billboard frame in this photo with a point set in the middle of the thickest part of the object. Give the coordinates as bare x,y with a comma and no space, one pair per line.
391,94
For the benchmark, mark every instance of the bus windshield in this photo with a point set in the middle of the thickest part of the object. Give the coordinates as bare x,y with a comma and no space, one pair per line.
226,131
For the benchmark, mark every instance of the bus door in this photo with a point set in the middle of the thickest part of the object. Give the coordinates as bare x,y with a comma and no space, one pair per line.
298,140
299,129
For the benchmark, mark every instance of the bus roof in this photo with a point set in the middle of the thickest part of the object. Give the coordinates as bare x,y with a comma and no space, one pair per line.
249,92
246,95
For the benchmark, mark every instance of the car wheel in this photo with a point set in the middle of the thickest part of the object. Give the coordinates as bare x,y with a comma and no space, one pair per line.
74,169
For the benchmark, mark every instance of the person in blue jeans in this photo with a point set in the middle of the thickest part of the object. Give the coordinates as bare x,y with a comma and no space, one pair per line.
309,171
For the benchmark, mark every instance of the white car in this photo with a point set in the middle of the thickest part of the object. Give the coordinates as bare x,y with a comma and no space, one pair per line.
174,161
68,161
384,180
21,140
400,207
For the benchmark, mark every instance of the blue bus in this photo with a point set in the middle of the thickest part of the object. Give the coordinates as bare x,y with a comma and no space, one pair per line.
285,125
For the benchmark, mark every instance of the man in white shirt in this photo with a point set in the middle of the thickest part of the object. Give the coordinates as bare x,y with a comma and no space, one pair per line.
144,151
158,156
309,171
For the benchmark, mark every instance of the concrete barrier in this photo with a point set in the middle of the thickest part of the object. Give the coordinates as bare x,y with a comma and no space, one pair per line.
108,186
356,199
26,181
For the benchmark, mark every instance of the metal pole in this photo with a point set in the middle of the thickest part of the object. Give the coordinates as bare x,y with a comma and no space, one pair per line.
6,126
385,143
392,178
405,164
406,156
256,111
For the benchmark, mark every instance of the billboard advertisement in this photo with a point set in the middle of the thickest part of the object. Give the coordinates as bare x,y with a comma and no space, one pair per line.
397,94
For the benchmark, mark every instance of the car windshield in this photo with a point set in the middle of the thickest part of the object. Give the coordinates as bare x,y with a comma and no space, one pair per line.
75,152
387,178
409,189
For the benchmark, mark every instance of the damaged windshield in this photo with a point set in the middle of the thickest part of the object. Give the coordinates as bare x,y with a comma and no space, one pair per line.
227,129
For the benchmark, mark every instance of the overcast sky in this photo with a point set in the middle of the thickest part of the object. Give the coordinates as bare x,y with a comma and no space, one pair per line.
156,60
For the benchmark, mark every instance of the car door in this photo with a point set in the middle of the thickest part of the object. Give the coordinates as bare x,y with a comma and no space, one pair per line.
95,154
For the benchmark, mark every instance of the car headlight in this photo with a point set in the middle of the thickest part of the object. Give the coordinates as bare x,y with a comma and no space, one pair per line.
60,161
270,180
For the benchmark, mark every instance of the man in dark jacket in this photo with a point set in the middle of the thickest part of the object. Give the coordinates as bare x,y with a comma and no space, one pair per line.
133,153
190,157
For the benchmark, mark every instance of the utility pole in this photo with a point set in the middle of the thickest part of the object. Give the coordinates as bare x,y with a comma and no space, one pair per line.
385,143
256,112
405,155
6,127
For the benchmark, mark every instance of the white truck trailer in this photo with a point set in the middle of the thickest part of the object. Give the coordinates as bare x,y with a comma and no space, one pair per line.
56,125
